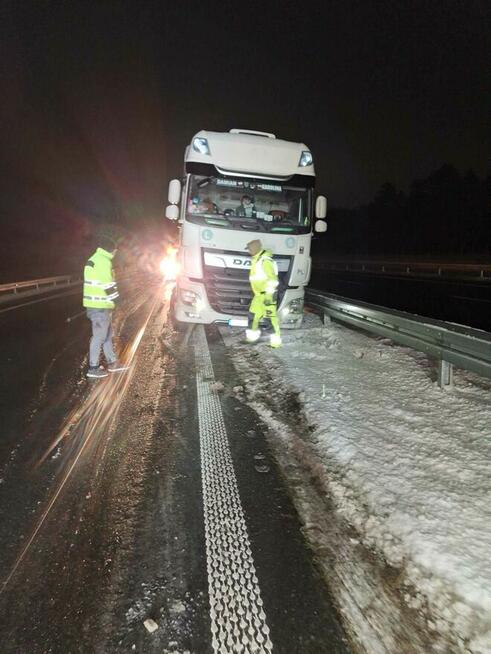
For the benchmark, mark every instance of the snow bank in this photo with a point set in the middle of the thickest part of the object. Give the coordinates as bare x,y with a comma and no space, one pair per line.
406,464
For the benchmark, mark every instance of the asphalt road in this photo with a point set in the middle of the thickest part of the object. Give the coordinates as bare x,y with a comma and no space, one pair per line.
102,488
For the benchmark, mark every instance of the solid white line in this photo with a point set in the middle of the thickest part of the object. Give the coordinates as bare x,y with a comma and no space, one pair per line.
238,621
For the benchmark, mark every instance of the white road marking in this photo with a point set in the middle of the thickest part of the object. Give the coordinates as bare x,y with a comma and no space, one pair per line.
238,620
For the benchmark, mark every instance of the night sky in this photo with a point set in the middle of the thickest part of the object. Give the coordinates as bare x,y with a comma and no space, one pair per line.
100,98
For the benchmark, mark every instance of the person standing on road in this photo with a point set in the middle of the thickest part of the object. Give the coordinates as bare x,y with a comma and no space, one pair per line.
263,277
100,295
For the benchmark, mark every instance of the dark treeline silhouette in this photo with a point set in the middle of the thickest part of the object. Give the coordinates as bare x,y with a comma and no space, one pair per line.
446,215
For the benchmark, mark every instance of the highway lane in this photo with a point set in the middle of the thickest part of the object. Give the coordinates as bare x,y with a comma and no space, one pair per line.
45,390
463,302
37,345
105,528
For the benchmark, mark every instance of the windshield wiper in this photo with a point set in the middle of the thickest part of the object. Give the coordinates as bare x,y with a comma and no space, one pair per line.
216,219
257,226
204,182
237,222
250,222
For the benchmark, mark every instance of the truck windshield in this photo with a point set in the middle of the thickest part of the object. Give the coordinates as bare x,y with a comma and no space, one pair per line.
249,204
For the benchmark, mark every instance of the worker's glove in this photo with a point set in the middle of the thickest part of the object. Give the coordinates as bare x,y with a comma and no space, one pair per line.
269,300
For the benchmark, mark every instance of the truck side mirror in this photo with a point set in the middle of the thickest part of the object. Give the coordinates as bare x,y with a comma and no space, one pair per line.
174,194
320,226
172,212
321,207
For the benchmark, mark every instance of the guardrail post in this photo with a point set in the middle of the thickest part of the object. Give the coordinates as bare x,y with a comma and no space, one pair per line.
327,318
445,374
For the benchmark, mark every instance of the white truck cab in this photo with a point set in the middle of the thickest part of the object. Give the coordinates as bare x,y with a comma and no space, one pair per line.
240,186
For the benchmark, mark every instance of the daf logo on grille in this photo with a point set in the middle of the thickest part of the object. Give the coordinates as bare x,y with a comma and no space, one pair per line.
242,262
232,260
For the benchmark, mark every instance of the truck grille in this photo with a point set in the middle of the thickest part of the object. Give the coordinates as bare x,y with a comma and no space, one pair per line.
228,290
227,284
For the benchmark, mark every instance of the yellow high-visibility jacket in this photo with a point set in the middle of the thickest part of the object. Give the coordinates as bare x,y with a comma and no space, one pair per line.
263,275
100,289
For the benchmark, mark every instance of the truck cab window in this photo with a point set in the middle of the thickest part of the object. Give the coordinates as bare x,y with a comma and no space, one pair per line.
241,200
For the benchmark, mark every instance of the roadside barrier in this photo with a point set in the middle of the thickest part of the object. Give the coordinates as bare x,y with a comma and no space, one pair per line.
449,343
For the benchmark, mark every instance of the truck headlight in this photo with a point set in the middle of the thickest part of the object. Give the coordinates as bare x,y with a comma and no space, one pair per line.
305,159
190,297
200,145
295,306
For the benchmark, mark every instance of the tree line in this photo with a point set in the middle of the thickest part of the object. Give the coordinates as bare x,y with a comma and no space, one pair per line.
446,214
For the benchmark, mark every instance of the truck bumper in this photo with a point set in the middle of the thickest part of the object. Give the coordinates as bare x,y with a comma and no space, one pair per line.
198,309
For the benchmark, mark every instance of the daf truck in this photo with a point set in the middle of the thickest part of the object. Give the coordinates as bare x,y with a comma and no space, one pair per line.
239,186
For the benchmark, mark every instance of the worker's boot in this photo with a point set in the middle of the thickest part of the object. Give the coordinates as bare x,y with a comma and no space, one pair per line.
275,340
96,372
251,336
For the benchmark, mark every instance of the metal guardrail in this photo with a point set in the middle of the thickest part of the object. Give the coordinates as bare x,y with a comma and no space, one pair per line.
16,290
450,344
481,271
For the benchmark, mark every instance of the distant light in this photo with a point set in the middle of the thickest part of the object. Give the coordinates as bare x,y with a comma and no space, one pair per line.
305,159
169,266
200,145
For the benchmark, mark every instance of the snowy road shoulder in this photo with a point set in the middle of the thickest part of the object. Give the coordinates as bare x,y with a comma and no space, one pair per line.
405,463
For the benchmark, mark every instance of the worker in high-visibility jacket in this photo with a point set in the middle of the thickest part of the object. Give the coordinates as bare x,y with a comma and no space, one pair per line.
263,277
100,295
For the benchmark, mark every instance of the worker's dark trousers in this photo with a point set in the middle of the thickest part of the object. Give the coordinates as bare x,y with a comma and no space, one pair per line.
102,336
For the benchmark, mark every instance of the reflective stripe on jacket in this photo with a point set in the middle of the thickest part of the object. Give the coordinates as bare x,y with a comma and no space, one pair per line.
263,275
100,289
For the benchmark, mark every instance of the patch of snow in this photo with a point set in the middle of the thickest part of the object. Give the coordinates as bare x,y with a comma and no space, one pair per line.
407,465
57,453
177,607
150,625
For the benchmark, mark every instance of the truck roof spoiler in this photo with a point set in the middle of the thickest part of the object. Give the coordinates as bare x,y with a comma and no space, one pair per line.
253,132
